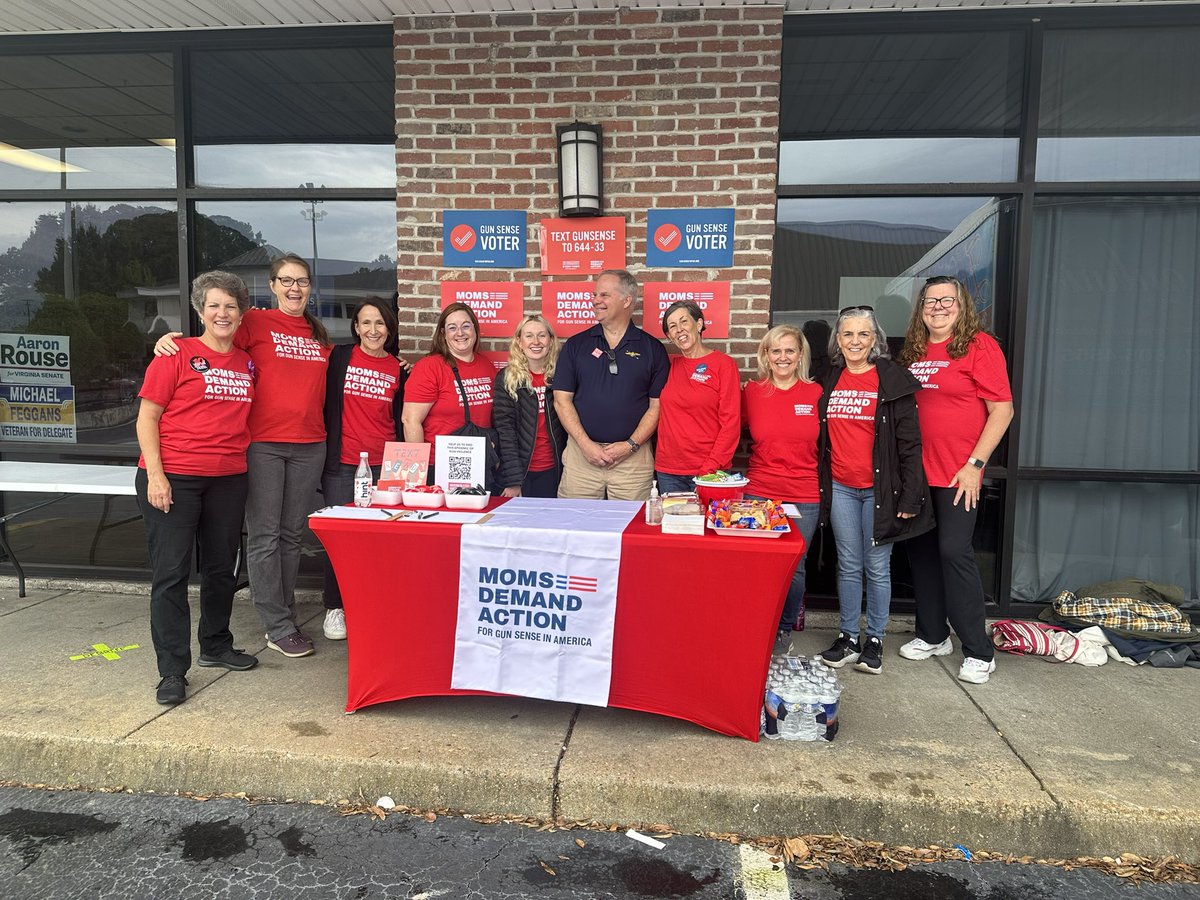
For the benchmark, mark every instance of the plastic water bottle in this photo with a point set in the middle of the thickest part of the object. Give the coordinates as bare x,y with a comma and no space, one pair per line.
808,705
362,481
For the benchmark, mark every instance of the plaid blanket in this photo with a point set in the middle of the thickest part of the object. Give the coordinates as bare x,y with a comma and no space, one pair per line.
1125,613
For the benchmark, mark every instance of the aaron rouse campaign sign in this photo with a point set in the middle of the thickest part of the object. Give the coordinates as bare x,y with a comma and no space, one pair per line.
498,305
537,599
585,246
480,238
689,238
711,296
567,306
37,399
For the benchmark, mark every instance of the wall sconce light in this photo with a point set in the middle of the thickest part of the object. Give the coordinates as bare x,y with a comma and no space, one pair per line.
579,157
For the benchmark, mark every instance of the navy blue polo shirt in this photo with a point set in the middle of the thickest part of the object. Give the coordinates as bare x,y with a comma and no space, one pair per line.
610,406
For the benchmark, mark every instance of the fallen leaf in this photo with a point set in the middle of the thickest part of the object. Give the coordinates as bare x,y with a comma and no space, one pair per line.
580,842
546,867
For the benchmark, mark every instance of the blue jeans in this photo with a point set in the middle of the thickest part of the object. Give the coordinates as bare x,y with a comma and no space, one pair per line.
668,483
807,526
852,515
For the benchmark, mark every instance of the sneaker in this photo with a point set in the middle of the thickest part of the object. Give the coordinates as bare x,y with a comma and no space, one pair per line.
237,660
919,649
975,670
335,624
294,645
871,658
844,650
171,690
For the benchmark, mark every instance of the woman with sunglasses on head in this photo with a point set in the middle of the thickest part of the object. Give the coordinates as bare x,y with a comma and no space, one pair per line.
364,391
780,412
873,487
965,408
699,421
530,436
433,400
290,349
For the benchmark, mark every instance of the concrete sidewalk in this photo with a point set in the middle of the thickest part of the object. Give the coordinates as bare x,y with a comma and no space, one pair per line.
1047,760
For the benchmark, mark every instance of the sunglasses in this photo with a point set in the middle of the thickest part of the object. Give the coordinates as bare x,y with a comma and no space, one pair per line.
857,308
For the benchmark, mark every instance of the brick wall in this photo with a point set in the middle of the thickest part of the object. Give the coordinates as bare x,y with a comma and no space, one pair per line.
687,98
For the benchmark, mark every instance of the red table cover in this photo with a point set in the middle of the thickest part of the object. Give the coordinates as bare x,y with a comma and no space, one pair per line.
695,621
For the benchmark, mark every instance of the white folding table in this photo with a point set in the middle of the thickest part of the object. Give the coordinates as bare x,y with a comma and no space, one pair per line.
65,480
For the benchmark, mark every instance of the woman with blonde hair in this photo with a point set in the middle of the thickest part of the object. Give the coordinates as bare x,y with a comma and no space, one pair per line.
530,436
964,410
780,412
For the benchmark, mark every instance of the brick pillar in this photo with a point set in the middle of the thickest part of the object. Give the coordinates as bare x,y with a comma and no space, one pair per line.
689,103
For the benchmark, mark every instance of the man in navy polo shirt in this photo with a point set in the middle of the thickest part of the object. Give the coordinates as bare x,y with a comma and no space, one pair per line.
606,388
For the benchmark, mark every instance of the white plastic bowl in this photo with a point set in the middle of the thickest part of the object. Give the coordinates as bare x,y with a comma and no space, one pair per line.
422,500
387,498
467,501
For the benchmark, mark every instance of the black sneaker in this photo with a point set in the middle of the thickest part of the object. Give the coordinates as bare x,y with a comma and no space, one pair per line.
844,650
171,690
229,659
871,658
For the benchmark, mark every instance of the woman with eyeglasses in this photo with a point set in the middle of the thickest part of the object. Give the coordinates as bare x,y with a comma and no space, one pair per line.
780,412
965,408
433,399
290,350
873,489
527,428
699,422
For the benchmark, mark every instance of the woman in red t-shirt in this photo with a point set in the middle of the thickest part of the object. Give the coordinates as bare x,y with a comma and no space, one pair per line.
872,483
965,409
290,349
364,390
191,482
698,421
433,402
530,437
780,412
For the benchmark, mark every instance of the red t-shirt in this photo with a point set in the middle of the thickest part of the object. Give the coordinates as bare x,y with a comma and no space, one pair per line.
289,371
543,454
698,421
783,426
367,396
206,398
851,417
951,405
432,381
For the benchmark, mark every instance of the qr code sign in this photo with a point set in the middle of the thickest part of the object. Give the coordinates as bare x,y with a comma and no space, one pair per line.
460,468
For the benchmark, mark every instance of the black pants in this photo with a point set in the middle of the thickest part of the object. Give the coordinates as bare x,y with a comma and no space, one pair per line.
337,487
946,578
541,484
208,508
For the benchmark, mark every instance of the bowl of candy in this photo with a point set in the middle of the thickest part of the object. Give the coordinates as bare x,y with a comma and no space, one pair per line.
720,485
424,496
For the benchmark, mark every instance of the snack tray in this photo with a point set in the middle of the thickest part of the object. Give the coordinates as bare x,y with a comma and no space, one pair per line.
747,532
421,500
467,501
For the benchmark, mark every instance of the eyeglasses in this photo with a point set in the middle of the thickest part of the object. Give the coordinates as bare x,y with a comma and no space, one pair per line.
288,281
612,361
857,308
944,302
464,327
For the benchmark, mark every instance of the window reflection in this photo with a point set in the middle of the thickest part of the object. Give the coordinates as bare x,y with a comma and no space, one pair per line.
350,245
288,165
101,278
898,160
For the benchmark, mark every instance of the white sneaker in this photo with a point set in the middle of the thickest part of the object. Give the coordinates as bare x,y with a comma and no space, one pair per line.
975,670
335,625
919,649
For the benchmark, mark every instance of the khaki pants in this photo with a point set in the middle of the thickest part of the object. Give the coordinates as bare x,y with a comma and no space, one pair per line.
628,480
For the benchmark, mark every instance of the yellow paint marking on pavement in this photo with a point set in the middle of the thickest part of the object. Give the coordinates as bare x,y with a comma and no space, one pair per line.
760,878
106,651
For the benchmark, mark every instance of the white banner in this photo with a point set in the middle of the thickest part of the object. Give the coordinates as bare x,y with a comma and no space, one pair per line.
537,593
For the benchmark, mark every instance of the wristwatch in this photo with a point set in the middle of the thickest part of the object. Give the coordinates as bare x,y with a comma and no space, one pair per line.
977,463
634,446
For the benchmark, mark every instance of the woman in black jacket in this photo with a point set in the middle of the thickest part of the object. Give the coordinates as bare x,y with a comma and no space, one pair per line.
364,392
530,436
873,488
